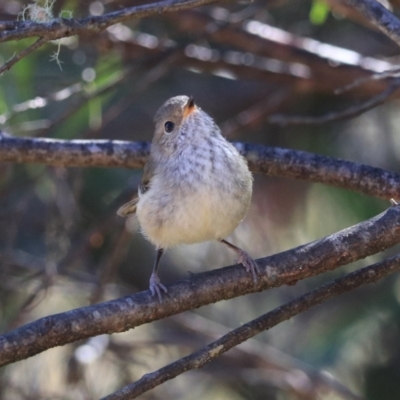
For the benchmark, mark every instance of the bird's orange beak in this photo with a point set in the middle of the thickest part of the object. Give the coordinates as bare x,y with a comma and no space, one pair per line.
189,107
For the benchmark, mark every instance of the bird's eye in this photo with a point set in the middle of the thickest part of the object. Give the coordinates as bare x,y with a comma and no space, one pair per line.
169,126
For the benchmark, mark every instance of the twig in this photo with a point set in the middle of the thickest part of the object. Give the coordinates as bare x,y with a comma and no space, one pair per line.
17,57
392,73
215,349
87,95
380,16
65,27
360,241
74,153
155,67
273,161
256,114
258,354
266,40
338,115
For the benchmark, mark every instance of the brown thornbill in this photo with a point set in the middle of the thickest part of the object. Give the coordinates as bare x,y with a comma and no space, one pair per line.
195,186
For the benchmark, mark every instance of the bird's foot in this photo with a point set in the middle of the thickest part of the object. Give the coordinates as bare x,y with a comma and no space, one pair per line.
249,264
156,287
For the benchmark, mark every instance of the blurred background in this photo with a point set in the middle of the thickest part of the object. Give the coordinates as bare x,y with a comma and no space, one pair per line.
62,245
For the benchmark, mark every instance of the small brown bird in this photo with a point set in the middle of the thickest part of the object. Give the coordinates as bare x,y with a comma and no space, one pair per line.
195,186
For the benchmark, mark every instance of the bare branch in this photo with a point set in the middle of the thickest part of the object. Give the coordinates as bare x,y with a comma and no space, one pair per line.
266,321
74,153
391,73
380,16
255,115
359,241
258,354
273,161
350,112
17,57
65,27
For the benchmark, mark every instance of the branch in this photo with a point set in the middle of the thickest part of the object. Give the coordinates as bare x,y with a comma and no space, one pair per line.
350,112
359,241
257,354
266,321
392,73
6,25
380,16
73,153
64,27
273,161
7,65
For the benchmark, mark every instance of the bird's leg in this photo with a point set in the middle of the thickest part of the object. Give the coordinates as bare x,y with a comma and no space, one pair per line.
155,284
243,258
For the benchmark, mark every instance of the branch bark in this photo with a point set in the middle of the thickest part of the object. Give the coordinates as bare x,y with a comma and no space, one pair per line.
64,27
350,112
7,65
359,241
380,16
272,161
215,349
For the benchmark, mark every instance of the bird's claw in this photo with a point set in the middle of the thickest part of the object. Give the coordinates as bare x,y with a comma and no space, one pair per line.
156,287
249,264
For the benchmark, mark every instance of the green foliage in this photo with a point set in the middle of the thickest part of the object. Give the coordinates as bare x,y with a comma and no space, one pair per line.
319,12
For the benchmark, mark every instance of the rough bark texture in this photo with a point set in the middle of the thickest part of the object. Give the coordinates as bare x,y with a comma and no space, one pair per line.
65,27
380,16
303,303
359,241
273,161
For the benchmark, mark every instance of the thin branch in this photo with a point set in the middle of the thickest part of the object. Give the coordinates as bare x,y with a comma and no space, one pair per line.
256,114
360,241
86,95
301,60
273,161
155,67
338,115
65,27
268,41
257,354
17,57
215,349
380,16
392,73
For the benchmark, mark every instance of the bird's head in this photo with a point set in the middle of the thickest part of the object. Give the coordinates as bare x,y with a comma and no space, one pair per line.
177,118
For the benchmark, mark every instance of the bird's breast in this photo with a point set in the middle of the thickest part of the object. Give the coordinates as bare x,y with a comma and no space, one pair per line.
201,195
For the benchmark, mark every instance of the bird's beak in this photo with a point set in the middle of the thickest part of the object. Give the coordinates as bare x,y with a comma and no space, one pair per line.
189,107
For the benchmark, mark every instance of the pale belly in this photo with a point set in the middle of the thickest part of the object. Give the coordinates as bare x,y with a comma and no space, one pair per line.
193,217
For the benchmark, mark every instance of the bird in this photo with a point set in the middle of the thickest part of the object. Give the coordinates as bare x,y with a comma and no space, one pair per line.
195,187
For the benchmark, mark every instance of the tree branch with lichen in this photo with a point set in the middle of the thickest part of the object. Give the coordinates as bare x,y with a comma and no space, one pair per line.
273,161
48,28
58,28
378,15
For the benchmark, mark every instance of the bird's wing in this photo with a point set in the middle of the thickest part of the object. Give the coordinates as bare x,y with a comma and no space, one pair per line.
148,173
130,207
